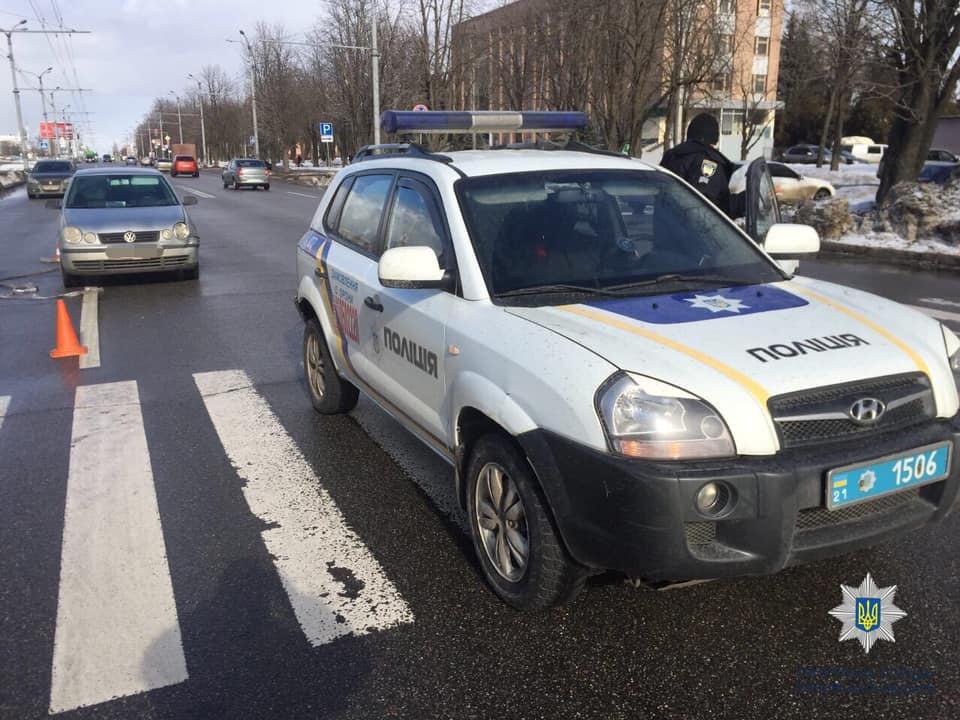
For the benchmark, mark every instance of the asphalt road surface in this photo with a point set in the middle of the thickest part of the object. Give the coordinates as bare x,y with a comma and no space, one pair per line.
199,474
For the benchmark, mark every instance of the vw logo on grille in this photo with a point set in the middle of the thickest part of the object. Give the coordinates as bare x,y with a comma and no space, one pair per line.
866,411
129,236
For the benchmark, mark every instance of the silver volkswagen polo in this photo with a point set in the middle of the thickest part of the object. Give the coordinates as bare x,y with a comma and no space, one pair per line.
125,220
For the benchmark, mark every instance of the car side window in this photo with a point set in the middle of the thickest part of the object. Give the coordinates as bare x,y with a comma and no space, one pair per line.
360,219
336,205
414,219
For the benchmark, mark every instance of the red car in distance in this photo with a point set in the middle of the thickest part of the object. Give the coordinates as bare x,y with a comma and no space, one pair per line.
184,165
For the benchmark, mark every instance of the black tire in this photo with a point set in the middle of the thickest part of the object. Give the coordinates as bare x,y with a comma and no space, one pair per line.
821,194
197,174
550,576
236,184
31,195
192,273
172,174
267,186
329,393
69,279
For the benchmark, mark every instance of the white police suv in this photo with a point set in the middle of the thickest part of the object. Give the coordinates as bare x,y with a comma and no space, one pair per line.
620,376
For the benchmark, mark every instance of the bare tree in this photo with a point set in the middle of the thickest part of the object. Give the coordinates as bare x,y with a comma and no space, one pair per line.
923,38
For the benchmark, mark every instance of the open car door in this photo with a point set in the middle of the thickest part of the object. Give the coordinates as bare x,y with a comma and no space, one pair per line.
761,208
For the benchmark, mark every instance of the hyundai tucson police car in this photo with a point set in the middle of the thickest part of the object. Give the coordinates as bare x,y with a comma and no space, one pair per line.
621,377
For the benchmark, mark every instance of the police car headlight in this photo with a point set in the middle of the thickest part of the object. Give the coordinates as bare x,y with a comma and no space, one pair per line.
646,418
953,352
72,234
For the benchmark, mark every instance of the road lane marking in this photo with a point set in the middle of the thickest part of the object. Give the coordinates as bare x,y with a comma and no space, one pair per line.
312,197
4,404
117,631
335,585
194,191
90,329
938,314
940,301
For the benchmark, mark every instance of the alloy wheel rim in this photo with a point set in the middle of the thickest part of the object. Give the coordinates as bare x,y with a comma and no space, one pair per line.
502,522
315,372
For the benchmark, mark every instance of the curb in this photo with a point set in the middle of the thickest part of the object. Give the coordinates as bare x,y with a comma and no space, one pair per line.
924,260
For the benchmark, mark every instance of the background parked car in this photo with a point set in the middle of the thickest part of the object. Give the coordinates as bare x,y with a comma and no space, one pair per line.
788,185
184,165
49,177
939,155
872,152
936,157
807,154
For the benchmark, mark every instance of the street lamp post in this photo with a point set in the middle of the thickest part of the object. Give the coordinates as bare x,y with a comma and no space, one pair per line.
43,98
179,119
63,111
203,129
16,91
253,97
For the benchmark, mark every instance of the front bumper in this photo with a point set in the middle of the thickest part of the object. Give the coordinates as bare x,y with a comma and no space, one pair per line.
639,517
121,259
41,189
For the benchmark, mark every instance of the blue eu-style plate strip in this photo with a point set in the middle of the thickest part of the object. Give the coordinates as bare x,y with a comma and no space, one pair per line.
702,304
847,486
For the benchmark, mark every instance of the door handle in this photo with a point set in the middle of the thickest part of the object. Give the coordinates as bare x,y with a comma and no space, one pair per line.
372,304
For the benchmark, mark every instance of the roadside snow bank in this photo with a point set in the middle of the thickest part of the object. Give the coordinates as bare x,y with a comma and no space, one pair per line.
11,178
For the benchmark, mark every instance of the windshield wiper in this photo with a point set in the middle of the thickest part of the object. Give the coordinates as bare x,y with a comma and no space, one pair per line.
677,277
553,288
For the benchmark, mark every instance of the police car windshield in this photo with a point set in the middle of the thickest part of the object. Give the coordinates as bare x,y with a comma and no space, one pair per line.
638,233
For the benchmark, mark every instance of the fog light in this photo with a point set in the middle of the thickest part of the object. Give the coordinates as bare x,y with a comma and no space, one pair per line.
707,498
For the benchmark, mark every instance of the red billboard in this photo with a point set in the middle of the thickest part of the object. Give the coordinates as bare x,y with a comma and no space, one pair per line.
57,129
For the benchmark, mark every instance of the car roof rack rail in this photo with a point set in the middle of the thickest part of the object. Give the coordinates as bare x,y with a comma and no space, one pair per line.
369,152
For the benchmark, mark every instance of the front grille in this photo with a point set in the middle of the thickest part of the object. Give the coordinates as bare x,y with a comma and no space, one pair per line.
799,432
820,517
132,264
790,411
143,236
700,533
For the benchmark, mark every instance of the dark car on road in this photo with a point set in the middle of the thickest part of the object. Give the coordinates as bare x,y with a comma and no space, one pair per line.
808,154
49,177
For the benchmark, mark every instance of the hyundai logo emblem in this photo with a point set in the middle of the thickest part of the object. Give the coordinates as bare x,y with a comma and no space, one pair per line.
866,411
129,236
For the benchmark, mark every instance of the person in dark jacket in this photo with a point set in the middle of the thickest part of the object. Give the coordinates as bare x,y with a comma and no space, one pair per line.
698,161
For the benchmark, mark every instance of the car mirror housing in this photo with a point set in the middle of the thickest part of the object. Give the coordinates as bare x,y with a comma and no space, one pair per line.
787,239
189,200
53,204
415,266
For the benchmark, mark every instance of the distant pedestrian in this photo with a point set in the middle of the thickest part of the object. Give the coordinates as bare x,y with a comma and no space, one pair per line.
698,161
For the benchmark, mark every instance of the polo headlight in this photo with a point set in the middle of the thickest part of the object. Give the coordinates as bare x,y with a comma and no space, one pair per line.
72,234
166,234
181,230
953,353
89,238
649,419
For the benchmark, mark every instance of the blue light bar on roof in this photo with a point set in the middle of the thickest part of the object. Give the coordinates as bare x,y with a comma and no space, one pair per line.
479,121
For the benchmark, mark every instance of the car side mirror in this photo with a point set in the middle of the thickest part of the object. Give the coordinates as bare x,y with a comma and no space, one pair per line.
415,266
53,204
788,240
189,200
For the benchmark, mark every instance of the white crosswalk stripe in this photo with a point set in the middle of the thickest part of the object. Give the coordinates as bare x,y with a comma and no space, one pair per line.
335,585
117,631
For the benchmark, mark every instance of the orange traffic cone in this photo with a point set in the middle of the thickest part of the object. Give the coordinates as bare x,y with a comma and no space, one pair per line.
67,343
56,252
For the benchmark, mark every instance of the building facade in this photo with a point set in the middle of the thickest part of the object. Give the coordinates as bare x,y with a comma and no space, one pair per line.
689,56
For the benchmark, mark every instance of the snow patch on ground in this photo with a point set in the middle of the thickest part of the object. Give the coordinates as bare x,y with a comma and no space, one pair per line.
858,184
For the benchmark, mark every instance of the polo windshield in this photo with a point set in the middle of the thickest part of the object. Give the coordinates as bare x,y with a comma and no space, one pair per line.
119,191
605,232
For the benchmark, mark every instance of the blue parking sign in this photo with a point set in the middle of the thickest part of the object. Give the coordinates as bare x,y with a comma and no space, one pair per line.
326,128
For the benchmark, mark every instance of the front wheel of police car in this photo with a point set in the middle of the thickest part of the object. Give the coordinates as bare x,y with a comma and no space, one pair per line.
329,393
514,537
